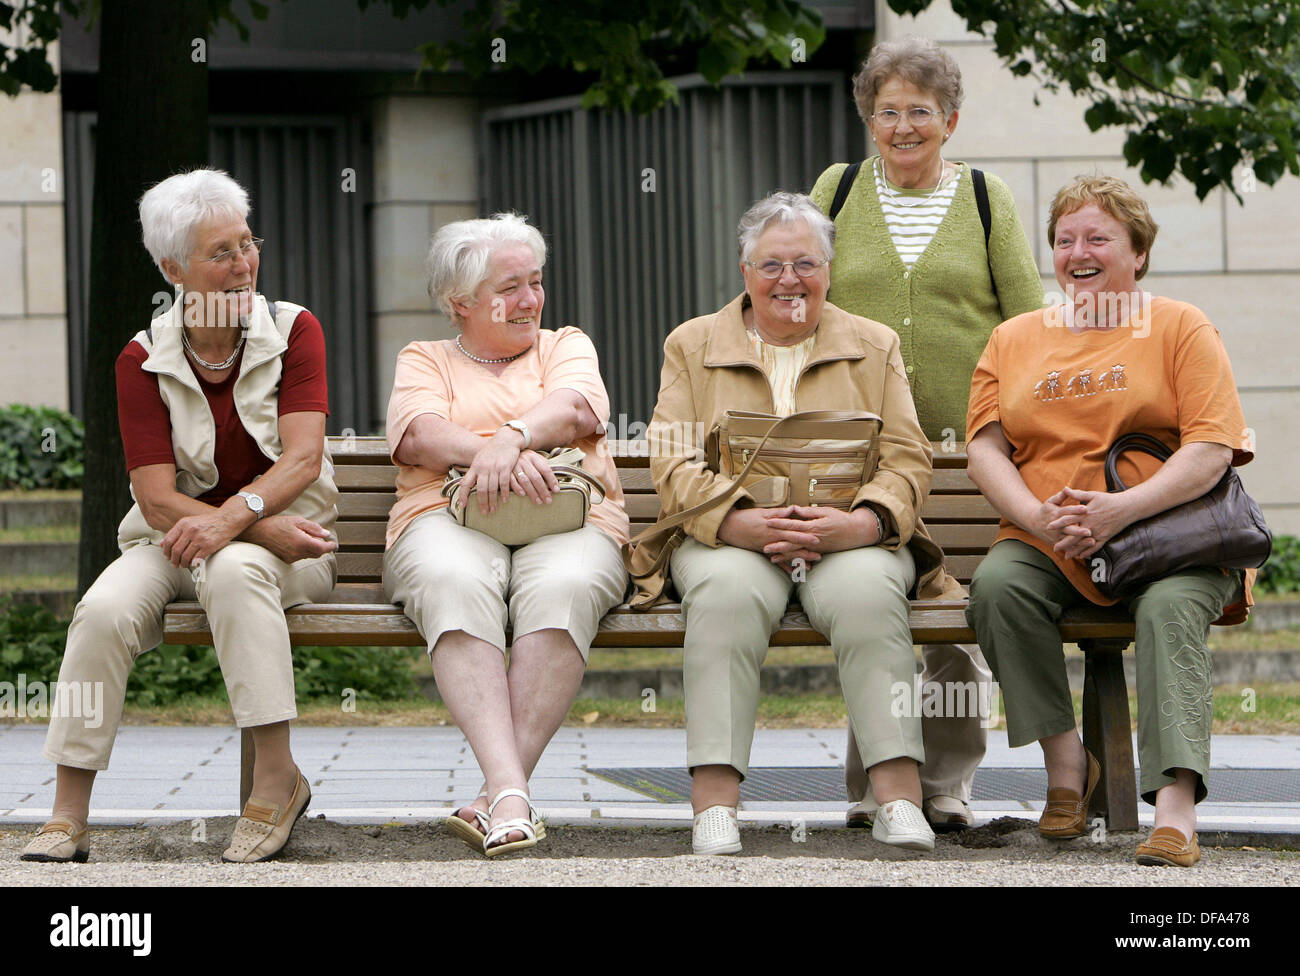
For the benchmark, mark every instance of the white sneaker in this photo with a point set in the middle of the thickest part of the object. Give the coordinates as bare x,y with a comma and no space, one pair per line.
900,824
716,832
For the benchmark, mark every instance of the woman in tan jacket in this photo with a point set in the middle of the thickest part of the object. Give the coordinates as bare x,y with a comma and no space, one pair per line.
781,348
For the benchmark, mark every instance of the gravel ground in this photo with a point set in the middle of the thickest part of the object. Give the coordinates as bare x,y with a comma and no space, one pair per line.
323,853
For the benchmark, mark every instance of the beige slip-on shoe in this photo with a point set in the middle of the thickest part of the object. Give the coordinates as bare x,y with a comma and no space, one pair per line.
58,842
263,830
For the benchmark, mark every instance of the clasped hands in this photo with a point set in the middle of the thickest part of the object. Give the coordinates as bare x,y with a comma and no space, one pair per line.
799,532
1078,523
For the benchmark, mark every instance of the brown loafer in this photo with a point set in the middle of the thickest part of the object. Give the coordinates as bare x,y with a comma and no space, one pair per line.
1167,847
1066,813
263,830
58,842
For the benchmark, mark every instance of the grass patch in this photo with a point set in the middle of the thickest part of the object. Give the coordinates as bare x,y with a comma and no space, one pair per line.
59,583
1276,711
40,495
41,533
1245,639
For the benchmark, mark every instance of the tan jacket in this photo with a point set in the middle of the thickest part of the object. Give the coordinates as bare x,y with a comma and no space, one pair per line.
194,432
710,366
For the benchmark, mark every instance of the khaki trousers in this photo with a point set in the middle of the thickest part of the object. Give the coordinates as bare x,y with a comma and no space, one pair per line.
733,600
447,577
243,588
954,744
1017,596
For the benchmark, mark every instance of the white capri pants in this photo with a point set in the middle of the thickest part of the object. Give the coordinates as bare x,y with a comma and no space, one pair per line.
447,577
243,588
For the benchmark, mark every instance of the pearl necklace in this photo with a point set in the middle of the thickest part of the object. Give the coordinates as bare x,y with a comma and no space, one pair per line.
185,339
488,362
913,201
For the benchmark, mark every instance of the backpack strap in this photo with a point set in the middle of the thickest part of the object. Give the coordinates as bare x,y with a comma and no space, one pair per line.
842,191
981,188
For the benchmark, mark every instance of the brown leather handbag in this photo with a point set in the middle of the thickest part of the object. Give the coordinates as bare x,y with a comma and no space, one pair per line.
1223,528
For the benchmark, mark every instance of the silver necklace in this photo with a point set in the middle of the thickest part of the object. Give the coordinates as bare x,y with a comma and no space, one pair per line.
488,362
185,339
913,201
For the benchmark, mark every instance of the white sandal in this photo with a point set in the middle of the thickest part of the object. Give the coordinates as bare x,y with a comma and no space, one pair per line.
531,827
466,831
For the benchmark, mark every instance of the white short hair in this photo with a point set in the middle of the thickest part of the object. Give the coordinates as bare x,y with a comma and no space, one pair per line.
458,259
784,208
172,211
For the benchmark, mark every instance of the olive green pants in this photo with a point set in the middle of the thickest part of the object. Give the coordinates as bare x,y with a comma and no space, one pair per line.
1017,596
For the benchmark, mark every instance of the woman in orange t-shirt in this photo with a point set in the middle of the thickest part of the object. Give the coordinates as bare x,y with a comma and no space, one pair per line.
492,401
1052,391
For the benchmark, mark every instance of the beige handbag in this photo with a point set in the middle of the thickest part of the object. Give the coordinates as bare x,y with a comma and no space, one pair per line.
519,520
816,457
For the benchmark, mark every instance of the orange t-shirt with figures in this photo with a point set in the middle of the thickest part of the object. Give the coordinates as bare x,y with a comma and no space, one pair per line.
435,378
1063,398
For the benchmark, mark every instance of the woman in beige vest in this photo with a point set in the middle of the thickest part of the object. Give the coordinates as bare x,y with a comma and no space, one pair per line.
222,405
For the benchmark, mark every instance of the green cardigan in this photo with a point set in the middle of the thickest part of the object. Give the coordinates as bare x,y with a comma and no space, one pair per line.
944,309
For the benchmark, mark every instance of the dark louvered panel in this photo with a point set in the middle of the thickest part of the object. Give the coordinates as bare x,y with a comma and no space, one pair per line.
629,263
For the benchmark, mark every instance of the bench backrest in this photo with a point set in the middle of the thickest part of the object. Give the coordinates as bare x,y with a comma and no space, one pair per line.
958,516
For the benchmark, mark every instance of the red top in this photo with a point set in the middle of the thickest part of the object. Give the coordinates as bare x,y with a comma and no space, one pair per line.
146,425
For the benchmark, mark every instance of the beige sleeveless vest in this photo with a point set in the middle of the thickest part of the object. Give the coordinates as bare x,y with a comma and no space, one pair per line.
256,397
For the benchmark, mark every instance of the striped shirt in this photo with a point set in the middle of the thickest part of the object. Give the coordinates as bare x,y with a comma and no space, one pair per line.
913,216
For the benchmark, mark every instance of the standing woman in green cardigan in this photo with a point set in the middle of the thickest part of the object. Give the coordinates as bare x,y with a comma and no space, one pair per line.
935,250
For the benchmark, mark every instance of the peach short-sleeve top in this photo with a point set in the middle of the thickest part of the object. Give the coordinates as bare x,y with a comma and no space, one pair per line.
434,377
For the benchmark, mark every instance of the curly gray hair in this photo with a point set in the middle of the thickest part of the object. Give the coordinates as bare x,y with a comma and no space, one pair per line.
915,59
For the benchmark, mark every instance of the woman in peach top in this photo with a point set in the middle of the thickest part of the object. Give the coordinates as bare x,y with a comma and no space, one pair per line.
489,401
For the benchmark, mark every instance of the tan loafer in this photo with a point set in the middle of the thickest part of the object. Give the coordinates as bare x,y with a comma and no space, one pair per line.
58,842
1066,813
263,830
946,813
1167,847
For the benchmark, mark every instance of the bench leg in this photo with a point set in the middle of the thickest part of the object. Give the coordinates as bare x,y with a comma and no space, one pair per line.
1108,733
247,753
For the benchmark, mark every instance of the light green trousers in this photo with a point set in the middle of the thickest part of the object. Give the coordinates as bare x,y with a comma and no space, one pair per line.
1017,596
733,600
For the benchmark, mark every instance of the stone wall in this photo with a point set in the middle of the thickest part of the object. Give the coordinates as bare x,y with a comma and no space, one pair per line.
33,320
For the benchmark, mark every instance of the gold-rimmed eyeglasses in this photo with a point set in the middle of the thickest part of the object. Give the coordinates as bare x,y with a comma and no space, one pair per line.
772,268
920,117
227,257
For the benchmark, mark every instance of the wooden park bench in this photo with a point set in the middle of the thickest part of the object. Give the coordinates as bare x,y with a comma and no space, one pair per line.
959,518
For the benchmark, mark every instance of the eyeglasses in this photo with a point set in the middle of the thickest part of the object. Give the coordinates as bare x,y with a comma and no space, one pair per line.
772,268
919,117
227,258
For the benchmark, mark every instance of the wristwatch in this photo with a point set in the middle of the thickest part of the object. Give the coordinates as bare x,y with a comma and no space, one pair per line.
522,427
255,503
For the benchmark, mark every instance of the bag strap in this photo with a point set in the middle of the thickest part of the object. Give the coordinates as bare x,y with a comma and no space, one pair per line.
842,191
981,187
1131,442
